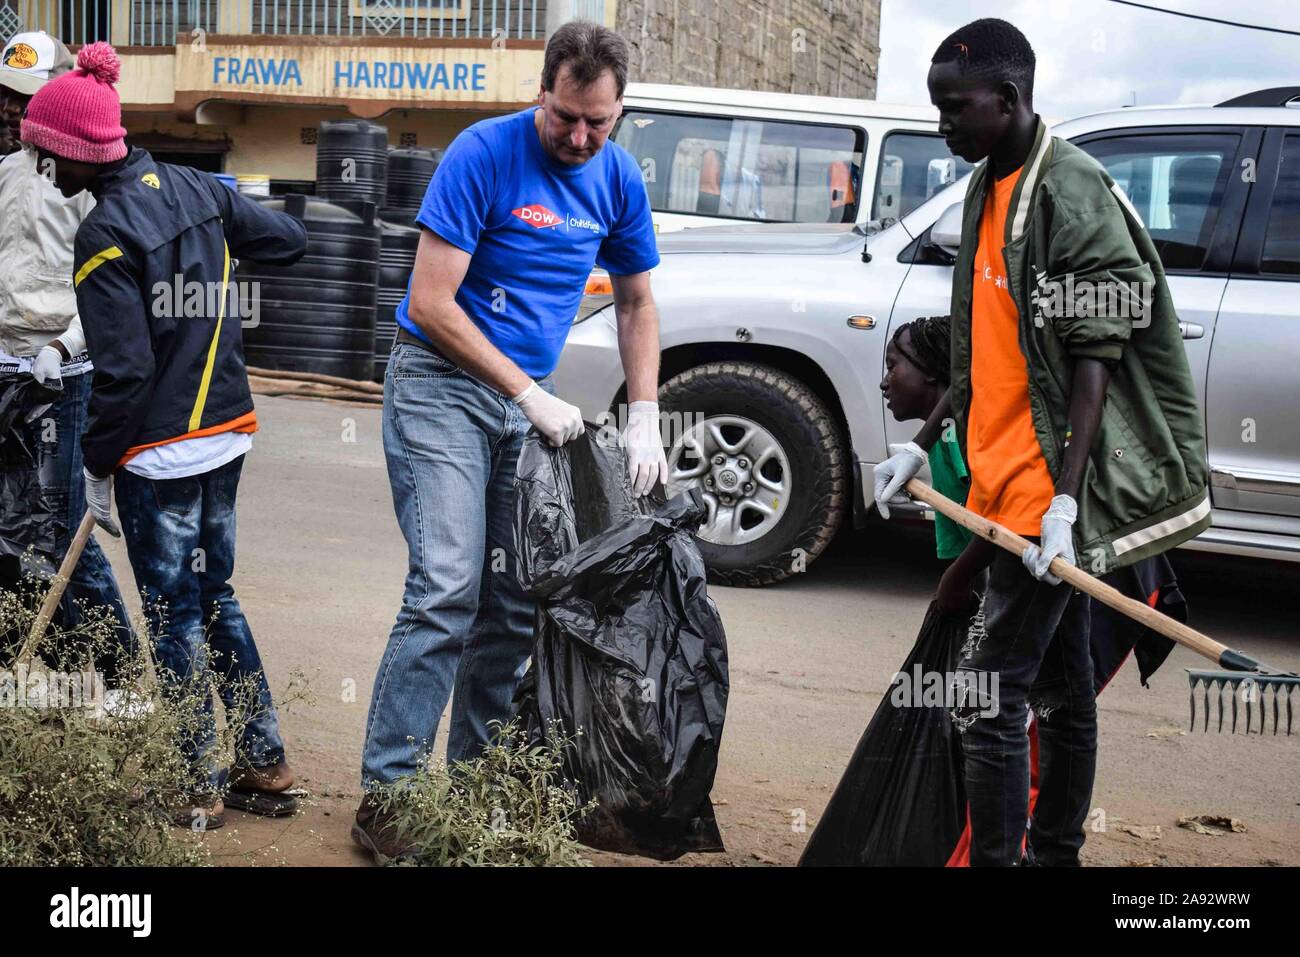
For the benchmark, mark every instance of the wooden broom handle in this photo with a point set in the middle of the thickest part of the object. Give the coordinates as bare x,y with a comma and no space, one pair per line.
57,587
1139,611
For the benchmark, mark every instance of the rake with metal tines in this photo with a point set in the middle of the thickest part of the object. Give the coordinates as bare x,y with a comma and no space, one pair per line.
1252,682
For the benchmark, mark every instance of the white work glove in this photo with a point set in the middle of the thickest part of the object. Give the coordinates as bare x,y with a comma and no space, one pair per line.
895,472
99,499
646,462
1057,539
553,417
48,366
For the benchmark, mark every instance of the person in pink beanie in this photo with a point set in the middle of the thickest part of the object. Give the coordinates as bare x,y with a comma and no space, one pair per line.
75,120
170,415
41,338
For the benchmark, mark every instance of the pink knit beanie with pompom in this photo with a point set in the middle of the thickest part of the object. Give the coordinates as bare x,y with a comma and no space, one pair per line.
78,116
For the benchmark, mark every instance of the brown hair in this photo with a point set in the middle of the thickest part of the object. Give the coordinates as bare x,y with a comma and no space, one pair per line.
589,49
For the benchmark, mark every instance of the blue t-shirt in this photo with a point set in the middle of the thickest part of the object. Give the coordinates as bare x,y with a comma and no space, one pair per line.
534,228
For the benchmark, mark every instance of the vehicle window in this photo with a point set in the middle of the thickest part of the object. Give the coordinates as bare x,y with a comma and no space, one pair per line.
1176,182
913,167
1282,235
740,168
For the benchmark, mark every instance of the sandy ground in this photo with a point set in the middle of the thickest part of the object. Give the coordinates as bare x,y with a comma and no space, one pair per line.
320,571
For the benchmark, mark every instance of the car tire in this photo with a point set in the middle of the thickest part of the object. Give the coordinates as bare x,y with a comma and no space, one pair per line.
813,444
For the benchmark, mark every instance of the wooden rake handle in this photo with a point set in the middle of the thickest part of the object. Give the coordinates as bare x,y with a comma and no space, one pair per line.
1142,613
57,586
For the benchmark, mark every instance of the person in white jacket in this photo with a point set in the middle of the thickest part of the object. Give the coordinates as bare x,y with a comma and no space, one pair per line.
40,331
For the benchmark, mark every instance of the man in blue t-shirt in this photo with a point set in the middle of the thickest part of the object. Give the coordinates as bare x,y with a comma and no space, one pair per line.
520,210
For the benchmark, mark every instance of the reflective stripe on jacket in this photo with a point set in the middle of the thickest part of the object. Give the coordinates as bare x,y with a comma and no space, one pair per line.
1087,282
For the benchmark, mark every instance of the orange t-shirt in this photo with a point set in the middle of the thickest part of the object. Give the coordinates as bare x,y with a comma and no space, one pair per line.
1010,482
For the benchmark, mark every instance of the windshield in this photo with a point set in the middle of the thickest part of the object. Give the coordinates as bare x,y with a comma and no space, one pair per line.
746,169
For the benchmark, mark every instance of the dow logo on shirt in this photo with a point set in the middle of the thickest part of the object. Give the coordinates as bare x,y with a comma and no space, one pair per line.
538,216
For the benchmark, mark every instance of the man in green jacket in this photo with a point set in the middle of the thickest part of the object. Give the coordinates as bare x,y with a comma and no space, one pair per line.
1076,413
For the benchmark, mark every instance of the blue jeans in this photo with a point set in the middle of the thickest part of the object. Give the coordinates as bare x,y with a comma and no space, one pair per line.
57,436
465,627
180,536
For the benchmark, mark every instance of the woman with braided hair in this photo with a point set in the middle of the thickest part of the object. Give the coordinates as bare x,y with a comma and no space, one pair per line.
914,385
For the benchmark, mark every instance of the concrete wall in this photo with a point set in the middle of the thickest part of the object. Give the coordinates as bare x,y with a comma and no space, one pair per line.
821,47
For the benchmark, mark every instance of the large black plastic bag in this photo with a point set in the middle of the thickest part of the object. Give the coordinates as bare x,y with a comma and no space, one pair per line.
30,526
628,647
901,801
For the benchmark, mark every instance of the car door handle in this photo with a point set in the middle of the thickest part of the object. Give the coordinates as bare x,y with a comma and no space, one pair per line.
1191,330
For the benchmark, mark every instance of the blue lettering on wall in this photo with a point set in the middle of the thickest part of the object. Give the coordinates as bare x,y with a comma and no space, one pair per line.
373,74
417,75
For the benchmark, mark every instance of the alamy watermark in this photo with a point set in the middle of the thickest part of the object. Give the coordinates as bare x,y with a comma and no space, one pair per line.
1071,298
673,426
974,693
190,299
28,686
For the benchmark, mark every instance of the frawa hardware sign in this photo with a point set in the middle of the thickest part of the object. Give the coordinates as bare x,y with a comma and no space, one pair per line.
412,72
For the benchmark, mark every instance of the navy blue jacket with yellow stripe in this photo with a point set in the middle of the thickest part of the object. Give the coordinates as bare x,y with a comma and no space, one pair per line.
162,237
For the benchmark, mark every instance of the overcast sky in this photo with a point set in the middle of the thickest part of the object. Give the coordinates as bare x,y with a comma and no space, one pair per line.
1098,55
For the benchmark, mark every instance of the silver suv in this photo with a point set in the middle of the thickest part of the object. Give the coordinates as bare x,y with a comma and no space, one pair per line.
774,337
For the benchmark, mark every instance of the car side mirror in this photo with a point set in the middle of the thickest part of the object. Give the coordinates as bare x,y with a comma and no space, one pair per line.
946,231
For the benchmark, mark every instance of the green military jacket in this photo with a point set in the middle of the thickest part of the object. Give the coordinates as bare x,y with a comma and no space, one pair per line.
1087,282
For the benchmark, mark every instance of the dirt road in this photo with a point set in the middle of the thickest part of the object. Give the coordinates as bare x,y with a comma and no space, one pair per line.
320,572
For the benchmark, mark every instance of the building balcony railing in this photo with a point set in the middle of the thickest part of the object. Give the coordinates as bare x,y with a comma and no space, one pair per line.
157,23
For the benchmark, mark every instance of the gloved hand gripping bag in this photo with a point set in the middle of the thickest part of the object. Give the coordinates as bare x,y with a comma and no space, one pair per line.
628,648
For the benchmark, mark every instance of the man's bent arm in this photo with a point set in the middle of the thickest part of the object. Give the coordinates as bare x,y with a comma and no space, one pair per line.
638,335
439,270
1087,395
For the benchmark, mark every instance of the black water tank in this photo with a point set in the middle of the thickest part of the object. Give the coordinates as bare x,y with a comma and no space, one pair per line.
396,260
352,161
318,315
409,172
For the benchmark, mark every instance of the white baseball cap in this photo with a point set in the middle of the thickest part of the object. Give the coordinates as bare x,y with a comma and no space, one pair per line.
30,60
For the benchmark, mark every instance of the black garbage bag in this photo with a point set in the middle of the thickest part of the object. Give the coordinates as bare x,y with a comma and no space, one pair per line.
1113,635
901,801
30,527
628,648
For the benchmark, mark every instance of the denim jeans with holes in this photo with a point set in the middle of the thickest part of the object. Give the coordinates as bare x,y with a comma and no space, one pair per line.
1034,636
180,536
464,631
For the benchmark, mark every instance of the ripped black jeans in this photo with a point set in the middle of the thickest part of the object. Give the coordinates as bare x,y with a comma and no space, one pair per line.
1034,638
